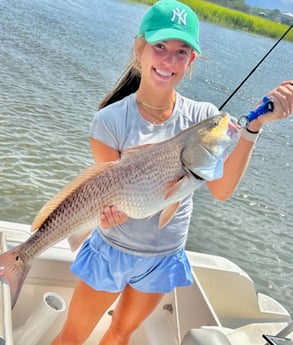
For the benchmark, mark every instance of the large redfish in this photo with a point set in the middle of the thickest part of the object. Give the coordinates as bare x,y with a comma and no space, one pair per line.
146,180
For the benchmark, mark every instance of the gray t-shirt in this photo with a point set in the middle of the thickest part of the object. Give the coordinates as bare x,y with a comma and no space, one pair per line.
120,126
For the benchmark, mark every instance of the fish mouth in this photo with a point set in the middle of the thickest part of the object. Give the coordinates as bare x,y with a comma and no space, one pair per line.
234,128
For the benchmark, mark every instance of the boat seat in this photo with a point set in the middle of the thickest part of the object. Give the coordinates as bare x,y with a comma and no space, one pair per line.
247,335
204,337
215,336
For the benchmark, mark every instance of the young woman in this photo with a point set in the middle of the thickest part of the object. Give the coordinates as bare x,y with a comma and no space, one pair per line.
133,259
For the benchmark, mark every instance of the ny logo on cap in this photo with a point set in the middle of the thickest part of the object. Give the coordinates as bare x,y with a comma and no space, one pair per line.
180,15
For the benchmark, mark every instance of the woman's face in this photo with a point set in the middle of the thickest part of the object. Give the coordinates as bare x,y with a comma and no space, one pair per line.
164,64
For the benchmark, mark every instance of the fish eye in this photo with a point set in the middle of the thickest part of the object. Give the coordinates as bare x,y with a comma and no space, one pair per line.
215,122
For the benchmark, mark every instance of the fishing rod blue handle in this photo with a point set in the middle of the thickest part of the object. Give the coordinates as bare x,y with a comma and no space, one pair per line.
266,106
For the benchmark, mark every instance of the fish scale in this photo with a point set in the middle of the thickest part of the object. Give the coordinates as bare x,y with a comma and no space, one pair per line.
145,181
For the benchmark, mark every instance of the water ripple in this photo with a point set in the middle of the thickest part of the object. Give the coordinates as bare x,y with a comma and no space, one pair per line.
59,58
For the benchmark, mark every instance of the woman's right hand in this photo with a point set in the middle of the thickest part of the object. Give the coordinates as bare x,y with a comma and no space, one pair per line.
111,216
282,97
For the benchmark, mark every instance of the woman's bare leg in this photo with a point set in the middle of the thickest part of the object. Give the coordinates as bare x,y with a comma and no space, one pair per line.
132,309
86,308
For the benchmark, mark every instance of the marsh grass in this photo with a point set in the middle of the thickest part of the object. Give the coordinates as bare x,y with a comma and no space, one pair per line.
233,19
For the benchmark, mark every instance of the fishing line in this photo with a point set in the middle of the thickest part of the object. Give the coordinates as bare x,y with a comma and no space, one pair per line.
254,69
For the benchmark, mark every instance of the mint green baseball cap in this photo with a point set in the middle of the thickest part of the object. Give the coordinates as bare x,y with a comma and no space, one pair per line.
171,20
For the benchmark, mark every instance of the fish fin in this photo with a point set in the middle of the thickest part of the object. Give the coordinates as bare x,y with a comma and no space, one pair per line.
133,150
167,214
52,204
76,240
13,271
174,186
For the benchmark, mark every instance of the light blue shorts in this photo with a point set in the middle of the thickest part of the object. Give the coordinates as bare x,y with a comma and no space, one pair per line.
106,268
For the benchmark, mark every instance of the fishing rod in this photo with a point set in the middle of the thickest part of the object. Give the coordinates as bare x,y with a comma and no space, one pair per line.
254,69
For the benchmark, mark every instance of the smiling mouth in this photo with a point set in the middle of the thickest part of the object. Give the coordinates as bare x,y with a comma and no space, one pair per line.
163,73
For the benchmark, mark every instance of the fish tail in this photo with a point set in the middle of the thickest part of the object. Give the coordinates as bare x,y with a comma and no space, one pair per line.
13,271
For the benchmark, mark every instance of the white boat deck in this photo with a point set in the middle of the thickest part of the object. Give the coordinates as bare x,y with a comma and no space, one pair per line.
222,300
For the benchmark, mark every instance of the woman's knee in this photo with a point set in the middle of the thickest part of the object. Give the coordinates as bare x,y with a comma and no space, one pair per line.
73,333
123,327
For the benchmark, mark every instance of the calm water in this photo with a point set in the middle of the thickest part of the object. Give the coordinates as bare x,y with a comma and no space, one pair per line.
58,58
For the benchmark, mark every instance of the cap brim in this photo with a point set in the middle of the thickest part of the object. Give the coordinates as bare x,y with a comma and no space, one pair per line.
172,34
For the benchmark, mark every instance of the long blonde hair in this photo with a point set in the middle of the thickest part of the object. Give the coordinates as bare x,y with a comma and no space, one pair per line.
130,79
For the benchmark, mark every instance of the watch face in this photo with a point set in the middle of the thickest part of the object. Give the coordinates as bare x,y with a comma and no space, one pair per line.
277,340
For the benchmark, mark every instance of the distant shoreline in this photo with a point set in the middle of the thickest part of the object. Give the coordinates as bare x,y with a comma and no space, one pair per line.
233,19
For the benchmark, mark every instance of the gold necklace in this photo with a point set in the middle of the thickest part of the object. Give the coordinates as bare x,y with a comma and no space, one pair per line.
158,118
153,107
